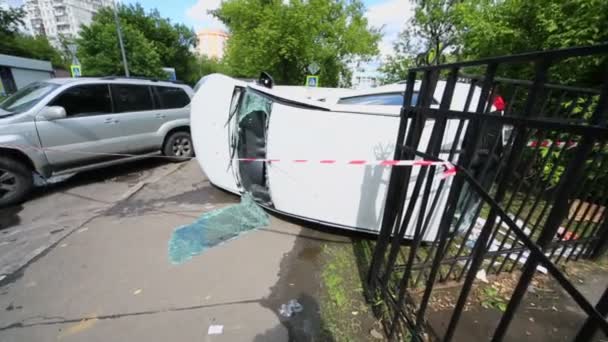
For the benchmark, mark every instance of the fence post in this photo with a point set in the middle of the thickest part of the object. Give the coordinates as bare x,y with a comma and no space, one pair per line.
589,329
395,190
601,244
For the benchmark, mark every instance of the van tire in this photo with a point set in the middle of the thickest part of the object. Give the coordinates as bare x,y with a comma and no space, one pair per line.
16,181
178,146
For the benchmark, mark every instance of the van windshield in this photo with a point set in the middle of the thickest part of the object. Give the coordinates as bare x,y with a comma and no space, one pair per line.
25,98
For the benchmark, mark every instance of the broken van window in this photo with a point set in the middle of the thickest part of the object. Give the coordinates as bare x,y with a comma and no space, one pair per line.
254,103
253,115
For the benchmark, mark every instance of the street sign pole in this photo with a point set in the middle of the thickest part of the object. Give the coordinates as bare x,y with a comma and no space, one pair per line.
122,47
75,68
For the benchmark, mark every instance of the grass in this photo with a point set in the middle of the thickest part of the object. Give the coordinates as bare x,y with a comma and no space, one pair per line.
345,313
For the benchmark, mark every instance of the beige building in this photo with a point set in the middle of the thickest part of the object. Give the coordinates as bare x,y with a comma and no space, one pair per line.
211,43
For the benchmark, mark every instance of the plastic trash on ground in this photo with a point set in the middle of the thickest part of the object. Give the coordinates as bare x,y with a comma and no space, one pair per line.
215,227
292,307
215,330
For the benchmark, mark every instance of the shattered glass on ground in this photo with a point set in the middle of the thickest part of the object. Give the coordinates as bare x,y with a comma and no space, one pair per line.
215,227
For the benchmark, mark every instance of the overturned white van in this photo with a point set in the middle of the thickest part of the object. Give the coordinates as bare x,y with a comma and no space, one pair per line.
309,159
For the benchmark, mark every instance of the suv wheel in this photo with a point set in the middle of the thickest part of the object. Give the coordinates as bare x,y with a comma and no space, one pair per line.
179,145
16,181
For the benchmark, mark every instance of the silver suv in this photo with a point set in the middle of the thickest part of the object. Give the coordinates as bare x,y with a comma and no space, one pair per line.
67,125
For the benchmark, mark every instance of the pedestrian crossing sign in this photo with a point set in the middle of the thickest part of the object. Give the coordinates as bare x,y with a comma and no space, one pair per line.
312,81
76,70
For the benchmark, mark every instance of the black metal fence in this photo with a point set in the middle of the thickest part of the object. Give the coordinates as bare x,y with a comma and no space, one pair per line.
530,190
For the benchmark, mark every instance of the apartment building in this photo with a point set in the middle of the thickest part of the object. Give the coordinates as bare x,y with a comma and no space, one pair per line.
55,18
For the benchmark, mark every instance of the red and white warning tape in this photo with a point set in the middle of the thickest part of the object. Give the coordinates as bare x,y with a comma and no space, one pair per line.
450,169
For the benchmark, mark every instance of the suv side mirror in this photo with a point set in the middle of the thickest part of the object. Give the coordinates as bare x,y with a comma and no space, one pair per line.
51,113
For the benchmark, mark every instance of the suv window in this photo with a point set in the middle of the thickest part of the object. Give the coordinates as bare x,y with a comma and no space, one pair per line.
86,99
170,97
387,99
25,98
131,98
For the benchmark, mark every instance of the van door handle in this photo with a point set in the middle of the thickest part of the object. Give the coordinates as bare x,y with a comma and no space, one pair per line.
111,121
160,116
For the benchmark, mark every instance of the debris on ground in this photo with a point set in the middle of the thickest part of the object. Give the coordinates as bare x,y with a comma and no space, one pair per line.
215,227
215,330
375,334
292,307
481,275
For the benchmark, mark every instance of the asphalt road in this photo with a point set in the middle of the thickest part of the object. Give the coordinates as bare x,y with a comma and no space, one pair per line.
55,211
86,260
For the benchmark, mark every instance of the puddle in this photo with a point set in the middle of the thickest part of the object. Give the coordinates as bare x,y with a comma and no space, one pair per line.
310,253
299,282
215,227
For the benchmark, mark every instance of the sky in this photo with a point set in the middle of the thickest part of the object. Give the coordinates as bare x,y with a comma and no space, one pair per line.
390,15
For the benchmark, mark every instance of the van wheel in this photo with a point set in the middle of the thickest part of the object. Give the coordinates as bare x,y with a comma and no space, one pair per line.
16,181
178,145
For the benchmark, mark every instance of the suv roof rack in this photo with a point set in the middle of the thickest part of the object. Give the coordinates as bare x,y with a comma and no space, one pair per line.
139,78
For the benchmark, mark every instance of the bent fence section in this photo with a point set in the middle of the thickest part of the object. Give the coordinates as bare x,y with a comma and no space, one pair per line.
530,191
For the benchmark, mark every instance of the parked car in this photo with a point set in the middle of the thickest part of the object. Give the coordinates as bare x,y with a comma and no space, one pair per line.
67,125
307,158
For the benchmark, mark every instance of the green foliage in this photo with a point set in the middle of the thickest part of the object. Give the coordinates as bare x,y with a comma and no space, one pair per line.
206,66
395,67
99,52
473,29
151,42
491,298
13,42
284,38
342,306
172,42
490,28
11,20
431,35
434,23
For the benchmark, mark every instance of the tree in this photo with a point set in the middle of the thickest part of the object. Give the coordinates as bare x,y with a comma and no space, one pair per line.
489,28
434,23
206,66
13,42
173,42
151,42
429,38
99,52
283,38
395,67
10,20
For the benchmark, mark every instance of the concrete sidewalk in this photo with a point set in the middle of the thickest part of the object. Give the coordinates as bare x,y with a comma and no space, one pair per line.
55,211
111,279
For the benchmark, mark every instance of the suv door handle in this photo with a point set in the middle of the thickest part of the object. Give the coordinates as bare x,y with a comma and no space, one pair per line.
111,121
160,116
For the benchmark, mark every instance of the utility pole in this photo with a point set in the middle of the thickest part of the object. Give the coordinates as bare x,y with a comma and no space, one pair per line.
122,47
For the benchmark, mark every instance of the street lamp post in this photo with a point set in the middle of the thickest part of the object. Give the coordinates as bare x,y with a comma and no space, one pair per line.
122,47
